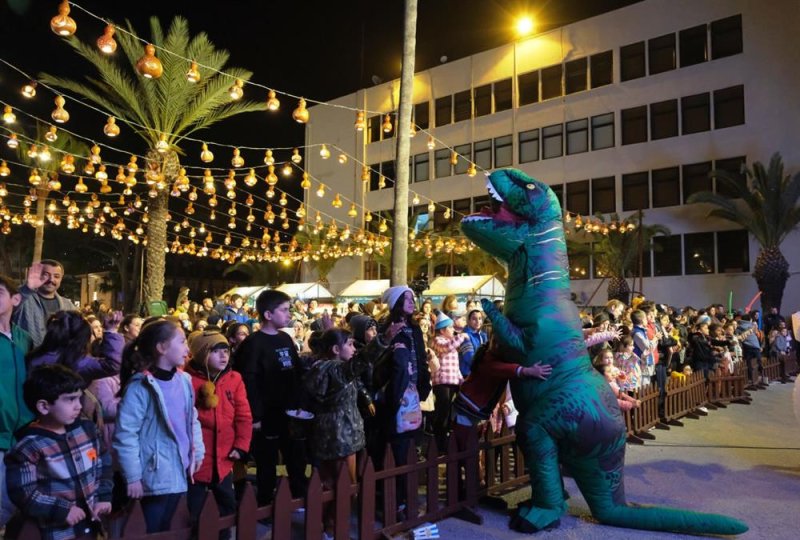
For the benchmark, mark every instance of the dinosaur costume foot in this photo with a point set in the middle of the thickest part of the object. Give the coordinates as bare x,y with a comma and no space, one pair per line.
530,519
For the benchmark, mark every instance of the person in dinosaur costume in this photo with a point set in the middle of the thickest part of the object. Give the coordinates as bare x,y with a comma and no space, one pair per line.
572,417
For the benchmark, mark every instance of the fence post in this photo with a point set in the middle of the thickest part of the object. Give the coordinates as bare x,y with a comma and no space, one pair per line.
208,524
432,476
412,483
282,511
389,489
341,504
453,473
136,525
314,506
246,514
366,519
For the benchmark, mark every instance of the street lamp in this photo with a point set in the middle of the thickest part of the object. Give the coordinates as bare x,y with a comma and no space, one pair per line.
524,26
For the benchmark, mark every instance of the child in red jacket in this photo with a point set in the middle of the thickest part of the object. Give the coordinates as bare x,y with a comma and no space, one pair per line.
224,415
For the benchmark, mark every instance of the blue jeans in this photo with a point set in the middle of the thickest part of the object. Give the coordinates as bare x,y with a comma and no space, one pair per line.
7,508
158,511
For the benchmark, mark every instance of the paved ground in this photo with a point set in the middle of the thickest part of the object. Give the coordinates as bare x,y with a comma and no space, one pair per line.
743,461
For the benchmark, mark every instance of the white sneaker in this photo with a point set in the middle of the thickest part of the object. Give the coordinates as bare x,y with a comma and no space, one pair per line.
703,409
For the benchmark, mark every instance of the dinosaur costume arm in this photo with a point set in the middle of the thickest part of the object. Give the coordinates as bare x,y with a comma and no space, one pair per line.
504,330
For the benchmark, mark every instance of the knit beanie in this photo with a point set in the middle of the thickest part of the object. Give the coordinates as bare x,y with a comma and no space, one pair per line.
359,325
201,343
393,294
443,321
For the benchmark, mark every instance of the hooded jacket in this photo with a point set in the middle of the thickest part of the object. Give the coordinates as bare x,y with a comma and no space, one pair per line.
106,364
31,314
13,413
748,328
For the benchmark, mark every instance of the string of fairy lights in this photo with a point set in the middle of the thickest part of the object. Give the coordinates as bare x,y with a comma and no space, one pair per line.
337,239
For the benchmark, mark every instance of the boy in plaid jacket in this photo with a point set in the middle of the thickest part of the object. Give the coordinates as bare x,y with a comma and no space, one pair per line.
58,474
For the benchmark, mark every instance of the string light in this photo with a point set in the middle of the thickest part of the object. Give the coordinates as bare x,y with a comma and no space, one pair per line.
29,90
361,123
52,134
206,155
111,128
296,157
272,101
237,160
60,114
300,114
193,75
148,65
324,153
236,91
12,142
62,24
106,42
8,115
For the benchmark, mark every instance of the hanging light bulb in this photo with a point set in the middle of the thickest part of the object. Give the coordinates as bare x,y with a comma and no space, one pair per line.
365,174
453,158
148,65
52,134
361,123
232,210
431,207
387,124
272,101
415,201
94,156
250,178
336,202
206,155
272,178
296,157
342,158
324,153
383,227
111,128
305,183
193,75
101,173
300,114
287,169
447,213
431,143
268,158
35,179
44,155
413,130
237,160
352,212
62,24
321,191
249,201
33,151
121,175
301,211
60,115
236,91
8,115
381,182
29,90
208,182
4,170
367,216
12,142
106,42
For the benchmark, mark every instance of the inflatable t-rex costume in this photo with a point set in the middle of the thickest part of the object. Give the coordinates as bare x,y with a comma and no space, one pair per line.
572,416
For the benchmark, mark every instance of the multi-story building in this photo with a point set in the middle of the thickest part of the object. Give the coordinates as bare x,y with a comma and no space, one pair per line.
624,111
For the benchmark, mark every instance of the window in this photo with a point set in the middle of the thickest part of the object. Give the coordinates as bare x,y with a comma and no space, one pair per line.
602,131
552,141
693,45
578,136
444,107
551,82
528,88
504,151
441,163
661,53
479,203
578,197
729,107
664,119
483,100
558,189
604,195
635,191
389,134
462,106
578,266
502,95
698,253
696,179
726,37
666,187
461,208
422,168
374,129
695,113
734,169
440,223
374,176
482,154
464,152
634,125
631,61
389,174
667,259
602,68
575,76
733,252
529,146
422,115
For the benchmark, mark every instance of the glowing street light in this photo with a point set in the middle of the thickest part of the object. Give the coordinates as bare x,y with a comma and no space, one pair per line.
524,26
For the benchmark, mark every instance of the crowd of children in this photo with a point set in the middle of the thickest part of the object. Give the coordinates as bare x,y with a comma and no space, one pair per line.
144,409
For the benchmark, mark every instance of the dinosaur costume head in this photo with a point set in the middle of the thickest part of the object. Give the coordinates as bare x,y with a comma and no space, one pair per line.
572,417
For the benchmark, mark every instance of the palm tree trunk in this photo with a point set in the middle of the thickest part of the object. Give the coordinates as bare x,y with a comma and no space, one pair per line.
771,274
155,252
618,289
38,238
400,229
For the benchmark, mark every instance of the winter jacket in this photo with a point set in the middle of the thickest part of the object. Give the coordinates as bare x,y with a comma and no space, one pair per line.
483,387
31,314
48,473
102,405
412,356
701,349
748,329
91,367
226,427
232,314
146,445
446,350
13,412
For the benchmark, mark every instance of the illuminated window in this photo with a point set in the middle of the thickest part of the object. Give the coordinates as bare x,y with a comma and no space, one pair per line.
698,253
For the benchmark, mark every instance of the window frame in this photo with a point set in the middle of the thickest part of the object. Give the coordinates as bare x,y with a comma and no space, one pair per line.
527,92
503,97
504,143
726,37
695,113
576,76
640,119
694,240
462,106
688,40
666,187
479,153
725,100
419,161
524,146
664,119
601,188
601,69
548,82
439,110
556,132
632,61
577,131
661,55
640,181
483,100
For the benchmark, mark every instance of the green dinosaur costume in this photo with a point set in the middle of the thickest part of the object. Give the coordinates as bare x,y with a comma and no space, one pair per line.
571,417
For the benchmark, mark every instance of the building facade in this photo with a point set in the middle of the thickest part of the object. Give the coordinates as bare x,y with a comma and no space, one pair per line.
625,111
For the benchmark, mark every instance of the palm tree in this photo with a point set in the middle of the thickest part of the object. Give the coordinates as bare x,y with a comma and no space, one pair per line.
767,207
168,107
319,260
616,251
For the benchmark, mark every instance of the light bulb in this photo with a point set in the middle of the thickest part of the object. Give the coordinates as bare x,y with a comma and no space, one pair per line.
336,202
4,170
193,75
300,114
296,157
52,134
268,158
238,160
352,212
236,91
148,65
60,115
67,164
272,101
387,124
12,142
472,170
283,200
111,128
415,201
306,183
431,207
29,90
272,178
206,156
321,190
35,179
286,170
101,173
381,182
44,155
80,187
361,123
8,115
413,130
62,24
94,157
453,158
106,42
431,143
162,145
324,153
342,158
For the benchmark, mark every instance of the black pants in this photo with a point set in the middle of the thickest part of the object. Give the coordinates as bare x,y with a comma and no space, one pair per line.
750,355
158,511
444,394
265,448
661,382
223,493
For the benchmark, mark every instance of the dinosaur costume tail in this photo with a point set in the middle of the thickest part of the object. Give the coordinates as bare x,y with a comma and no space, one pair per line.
668,519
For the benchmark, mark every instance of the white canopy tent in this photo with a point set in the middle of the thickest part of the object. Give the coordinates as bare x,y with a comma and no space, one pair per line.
305,291
245,292
465,288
